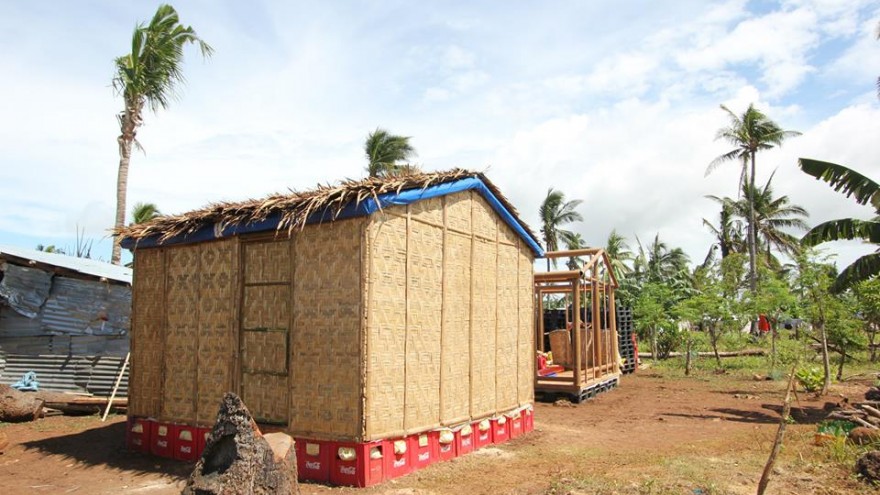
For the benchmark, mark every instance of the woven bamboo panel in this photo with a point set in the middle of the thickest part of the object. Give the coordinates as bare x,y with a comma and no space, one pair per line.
266,307
455,388
526,341
265,396
428,211
218,266
507,236
484,219
458,212
483,329
507,329
147,333
181,336
267,262
326,386
386,335
264,352
424,297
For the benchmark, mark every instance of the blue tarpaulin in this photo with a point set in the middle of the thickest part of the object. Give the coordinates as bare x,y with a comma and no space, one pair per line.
366,207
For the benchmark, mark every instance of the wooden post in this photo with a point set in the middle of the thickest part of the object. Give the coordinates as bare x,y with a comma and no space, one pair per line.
576,328
612,316
597,334
116,387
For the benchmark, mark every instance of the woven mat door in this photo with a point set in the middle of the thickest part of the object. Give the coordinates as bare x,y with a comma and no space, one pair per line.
265,328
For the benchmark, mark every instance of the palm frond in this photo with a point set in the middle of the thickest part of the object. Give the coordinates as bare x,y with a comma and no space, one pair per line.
845,180
844,228
864,268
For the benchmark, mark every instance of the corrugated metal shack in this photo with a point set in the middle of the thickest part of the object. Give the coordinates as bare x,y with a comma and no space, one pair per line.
65,318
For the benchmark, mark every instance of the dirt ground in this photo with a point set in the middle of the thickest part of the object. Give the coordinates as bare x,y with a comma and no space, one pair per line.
654,434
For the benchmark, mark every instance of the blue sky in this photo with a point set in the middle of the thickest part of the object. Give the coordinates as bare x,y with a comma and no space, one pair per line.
615,103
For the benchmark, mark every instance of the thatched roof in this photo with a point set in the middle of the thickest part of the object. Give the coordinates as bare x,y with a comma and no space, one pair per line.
295,209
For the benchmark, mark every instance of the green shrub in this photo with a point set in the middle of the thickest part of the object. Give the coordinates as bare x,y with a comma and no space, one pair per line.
811,379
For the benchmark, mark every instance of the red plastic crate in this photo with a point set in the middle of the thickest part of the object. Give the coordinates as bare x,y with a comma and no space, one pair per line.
515,424
464,439
482,433
398,461
357,464
202,439
423,449
138,433
528,419
500,430
186,440
162,439
446,445
313,460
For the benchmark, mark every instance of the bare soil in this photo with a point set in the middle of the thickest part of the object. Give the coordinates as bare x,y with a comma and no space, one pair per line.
654,434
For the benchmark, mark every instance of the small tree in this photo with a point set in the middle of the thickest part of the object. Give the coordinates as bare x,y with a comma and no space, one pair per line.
867,294
773,300
814,280
650,312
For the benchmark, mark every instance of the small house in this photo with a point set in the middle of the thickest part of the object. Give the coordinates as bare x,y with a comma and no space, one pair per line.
365,311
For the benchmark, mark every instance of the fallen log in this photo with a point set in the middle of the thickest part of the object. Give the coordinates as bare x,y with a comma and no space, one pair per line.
725,354
18,406
238,459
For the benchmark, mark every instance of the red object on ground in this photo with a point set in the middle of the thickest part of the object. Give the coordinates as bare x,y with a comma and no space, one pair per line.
500,430
515,425
763,323
357,464
482,437
550,370
446,445
528,419
186,440
398,458
162,439
423,449
138,433
464,440
313,460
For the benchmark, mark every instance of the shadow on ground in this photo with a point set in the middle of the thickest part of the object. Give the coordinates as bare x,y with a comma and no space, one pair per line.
105,446
802,415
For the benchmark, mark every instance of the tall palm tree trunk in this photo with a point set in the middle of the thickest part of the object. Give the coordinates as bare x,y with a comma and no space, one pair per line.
128,123
753,255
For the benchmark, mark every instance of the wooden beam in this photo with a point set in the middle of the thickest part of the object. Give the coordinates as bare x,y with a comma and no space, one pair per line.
576,328
573,253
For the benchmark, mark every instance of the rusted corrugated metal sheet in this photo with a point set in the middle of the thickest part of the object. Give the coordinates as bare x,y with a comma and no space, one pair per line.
25,289
86,307
83,374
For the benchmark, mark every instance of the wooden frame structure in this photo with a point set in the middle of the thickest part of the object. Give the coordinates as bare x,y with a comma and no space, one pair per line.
590,357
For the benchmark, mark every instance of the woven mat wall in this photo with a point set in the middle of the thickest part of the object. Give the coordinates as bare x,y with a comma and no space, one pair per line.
386,335
506,396
483,329
218,266
455,388
425,299
147,333
526,334
181,334
326,388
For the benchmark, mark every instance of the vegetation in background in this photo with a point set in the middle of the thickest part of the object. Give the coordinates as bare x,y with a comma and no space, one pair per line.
555,212
385,153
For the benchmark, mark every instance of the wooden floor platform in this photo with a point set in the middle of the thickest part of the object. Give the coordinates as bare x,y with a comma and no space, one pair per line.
551,391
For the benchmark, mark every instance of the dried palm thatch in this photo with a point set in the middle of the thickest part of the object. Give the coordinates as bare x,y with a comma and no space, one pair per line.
296,208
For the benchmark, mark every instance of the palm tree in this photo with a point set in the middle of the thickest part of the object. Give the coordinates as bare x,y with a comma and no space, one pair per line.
144,212
576,241
385,150
619,253
728,234
555,212
148,75
749,133
864,191
772,215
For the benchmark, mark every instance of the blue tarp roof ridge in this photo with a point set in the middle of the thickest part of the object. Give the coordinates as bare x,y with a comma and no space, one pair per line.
327,203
